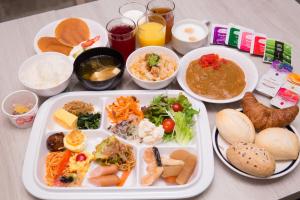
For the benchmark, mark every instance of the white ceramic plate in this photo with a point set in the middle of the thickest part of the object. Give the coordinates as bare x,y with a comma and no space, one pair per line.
250,71
95,29
44,125
282,167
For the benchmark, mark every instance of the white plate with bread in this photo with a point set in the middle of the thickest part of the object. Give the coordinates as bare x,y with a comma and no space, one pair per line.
281,167
259,142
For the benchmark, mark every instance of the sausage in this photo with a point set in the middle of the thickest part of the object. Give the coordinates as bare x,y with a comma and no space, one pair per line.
107,180
104,170
187,170
190,161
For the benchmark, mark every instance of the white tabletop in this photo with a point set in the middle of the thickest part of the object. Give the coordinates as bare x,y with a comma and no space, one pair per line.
278,19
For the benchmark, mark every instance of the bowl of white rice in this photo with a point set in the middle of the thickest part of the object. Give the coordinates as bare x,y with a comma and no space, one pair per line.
46,74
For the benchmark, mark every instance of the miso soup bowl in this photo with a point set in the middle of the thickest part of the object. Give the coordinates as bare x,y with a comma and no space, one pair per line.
148,84
99,85
183,46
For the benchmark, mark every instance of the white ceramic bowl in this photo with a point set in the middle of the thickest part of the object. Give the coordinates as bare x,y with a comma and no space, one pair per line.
248,67
182,46
23,97
50,91
152,85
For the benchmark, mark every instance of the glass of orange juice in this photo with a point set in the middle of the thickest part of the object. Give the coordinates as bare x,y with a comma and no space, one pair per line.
151,30
164,8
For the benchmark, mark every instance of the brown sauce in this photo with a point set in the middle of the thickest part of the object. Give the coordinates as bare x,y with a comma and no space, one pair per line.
225,82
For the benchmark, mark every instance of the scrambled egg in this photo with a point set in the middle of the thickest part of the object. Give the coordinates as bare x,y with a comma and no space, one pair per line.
80,166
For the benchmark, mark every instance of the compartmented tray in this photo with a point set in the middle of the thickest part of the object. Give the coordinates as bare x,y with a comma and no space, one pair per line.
44,125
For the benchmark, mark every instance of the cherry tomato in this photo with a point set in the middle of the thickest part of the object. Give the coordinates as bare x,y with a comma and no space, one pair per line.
177,107
80,157
168,125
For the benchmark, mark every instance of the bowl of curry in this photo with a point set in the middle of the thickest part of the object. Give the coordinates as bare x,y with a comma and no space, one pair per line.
217,74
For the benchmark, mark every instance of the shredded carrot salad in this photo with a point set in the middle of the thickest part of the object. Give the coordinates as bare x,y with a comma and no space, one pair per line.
123,108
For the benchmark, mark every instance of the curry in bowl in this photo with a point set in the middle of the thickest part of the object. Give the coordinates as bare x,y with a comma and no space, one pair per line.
215,78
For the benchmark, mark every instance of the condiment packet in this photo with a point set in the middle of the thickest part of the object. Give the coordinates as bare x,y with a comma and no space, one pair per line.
288,95
274,78
258,44
218,34
277,50
245,39
232,37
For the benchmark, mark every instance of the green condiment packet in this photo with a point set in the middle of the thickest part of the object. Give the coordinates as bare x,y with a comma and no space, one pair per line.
232,37
277,50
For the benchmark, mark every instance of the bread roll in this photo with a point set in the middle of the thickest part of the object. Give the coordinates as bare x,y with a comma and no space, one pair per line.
280,142
235,126
251,159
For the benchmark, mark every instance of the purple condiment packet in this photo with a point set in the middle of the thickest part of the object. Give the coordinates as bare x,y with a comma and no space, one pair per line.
218,34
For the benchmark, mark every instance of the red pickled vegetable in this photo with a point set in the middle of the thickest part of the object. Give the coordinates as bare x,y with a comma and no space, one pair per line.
90,42
210,60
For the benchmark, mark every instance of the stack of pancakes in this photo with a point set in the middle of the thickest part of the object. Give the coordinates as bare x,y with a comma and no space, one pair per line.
68,33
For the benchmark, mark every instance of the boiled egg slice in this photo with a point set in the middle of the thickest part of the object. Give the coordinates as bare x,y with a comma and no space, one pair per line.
75,141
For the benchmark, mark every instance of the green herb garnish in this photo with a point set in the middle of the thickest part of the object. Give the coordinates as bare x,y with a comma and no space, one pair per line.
152,59
88,121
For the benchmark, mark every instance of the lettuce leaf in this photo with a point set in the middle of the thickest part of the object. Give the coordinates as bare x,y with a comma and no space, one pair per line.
184,132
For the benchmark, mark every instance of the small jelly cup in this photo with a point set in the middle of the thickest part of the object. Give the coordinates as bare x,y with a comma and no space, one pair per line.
23,97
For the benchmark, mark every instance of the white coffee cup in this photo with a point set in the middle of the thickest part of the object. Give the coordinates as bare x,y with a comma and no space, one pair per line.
181,44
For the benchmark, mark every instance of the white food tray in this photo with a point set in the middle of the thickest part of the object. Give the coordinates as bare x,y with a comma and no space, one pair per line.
34,162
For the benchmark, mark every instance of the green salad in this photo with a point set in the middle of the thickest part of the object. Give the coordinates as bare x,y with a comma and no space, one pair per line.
175,114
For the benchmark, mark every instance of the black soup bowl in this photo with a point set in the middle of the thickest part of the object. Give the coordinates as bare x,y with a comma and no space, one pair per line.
108,84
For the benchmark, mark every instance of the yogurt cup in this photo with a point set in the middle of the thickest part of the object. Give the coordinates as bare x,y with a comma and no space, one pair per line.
24,97
189,34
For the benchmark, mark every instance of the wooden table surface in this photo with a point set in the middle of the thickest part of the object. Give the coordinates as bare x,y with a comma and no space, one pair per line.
277,18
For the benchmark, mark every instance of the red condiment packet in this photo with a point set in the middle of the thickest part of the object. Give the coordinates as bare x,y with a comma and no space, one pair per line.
258,44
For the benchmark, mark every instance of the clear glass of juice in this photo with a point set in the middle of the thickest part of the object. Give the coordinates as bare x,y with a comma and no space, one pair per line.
121,35
151,30
165,8
133,10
